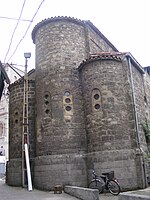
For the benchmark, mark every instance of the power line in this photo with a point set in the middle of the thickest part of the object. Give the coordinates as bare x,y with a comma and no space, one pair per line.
11,18
15,29
27,29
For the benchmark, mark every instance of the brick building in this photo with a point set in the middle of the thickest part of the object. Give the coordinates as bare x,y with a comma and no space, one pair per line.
86,105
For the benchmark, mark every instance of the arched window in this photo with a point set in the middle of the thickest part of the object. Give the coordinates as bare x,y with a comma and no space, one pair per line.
47,104
67,104
16,118
96,100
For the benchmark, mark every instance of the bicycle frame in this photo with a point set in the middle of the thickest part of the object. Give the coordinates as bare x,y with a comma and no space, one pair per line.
102,178
106,181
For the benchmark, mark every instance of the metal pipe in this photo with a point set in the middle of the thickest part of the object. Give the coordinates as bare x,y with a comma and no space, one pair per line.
134,105
28,167
136,124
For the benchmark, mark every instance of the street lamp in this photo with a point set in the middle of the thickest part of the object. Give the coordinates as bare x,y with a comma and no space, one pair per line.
26,55
25,141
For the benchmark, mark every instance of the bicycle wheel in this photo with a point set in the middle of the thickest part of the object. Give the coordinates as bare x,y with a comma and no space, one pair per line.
95,184
113,187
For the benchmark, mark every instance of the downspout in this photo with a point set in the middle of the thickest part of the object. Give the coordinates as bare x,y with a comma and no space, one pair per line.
144,179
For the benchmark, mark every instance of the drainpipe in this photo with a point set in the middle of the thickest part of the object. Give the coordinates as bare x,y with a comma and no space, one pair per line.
144,179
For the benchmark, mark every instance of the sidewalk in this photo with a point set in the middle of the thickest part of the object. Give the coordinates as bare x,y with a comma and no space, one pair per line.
143,194
18,193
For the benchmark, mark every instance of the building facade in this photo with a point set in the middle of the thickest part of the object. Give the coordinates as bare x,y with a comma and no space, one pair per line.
86,105
4,116
4,104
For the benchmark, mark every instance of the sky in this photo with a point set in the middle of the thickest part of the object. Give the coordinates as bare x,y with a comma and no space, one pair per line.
125,23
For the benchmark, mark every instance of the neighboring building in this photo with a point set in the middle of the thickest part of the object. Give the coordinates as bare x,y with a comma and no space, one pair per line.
86,105
4,102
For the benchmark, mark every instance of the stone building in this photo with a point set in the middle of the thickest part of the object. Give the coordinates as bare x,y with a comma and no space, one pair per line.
86,105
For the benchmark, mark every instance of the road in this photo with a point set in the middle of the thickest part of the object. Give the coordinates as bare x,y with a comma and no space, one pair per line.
18,193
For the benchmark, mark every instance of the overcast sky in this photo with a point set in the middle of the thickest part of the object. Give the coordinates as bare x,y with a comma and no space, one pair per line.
125,23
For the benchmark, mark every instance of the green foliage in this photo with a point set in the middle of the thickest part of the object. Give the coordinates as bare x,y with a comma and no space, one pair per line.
147,155
146,130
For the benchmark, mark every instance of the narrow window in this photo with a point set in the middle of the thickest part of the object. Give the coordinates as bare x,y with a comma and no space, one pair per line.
96,100
67,104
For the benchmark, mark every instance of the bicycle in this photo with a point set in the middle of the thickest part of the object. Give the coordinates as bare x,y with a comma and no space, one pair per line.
105,181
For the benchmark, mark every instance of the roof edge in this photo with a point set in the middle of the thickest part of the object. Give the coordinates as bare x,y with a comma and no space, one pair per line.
21,80
53,19
135,62
89,23
102,56
118,56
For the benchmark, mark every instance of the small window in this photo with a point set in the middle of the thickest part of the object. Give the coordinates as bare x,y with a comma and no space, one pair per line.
67,93
16,121
46,96
68,108
96,96
67,100
46,102
97,106
47,111
16,113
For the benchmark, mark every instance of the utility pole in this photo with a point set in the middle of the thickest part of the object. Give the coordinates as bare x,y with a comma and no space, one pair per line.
25,135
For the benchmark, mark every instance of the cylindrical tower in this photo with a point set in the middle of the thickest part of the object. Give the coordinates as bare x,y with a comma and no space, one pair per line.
14,165
109,117
60,130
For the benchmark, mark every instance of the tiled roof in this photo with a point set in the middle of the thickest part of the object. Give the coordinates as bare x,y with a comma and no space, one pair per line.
118,56
102,56
107,55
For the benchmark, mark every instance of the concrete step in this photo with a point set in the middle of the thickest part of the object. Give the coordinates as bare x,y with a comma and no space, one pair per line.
135,195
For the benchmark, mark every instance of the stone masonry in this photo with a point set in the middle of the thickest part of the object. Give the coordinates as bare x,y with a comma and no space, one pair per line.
86,104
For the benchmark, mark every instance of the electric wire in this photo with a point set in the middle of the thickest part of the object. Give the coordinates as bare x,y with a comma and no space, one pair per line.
26,30
11,18
15,30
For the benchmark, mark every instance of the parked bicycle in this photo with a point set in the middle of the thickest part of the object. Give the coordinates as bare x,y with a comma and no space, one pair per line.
105,181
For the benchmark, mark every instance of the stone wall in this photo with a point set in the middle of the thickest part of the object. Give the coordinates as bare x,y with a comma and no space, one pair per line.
109,119
64,169
139,92
81,116
147,100
16,119
14,165
96,40
13,172
60,47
